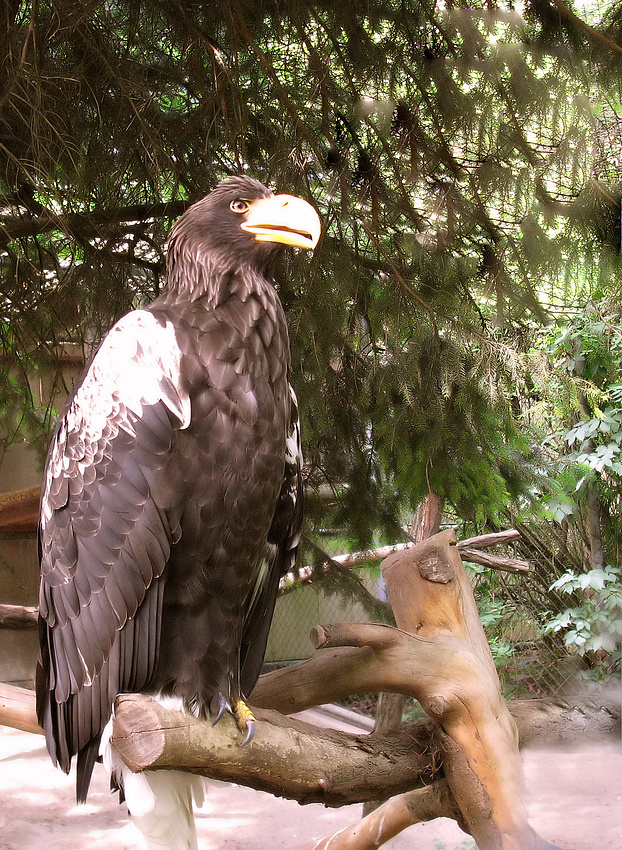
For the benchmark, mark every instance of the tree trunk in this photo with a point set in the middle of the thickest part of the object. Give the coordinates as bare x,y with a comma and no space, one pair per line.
427,518
426,522
593,507
432,598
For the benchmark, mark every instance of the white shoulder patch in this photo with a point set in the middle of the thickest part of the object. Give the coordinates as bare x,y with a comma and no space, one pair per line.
137,364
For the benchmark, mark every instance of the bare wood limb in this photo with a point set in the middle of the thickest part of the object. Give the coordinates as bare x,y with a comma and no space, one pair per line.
539,721
18,617
362,658
389,819
494,562
348,561
287,757
19,510
485,541
17,709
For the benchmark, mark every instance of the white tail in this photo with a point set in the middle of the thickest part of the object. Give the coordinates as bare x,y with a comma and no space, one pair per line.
159,801
161,807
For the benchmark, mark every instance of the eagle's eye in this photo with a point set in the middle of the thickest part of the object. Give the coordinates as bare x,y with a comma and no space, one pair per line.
239,206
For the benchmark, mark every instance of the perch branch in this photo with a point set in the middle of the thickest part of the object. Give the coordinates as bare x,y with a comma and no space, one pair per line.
287,757
539,721
17,709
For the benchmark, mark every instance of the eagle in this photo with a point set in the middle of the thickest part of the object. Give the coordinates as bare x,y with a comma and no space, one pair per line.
172,497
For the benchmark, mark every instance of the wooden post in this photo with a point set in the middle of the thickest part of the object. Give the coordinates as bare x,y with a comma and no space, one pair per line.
432,598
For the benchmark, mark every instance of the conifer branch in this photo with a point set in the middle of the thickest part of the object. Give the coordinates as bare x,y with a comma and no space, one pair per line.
592,34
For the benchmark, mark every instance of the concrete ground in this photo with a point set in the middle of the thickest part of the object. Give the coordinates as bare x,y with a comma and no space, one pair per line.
574,801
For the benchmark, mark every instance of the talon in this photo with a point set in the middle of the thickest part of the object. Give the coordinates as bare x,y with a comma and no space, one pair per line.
250,732
223,705
245,720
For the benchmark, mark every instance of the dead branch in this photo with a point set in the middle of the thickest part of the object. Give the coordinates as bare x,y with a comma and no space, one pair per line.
494,562
389,819
18,617
287,757
485,541
360,658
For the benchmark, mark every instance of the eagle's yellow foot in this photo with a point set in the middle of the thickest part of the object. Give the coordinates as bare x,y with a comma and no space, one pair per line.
245,720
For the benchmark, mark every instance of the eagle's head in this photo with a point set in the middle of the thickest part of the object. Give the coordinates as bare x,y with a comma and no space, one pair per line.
241,223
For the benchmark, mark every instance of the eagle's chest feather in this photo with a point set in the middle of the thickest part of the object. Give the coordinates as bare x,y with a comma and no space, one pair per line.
227,465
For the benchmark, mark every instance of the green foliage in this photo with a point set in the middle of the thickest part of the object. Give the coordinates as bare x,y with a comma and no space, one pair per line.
590,348
496,616
466,181
594,624
585,390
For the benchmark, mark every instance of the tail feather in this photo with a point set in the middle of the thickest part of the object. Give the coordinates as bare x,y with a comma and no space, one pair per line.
160,802
86,762
163,810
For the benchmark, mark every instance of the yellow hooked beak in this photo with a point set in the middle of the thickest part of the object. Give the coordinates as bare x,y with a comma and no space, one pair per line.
285,219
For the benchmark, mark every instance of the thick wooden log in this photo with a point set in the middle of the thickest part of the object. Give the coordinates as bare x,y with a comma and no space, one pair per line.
17,709
286,757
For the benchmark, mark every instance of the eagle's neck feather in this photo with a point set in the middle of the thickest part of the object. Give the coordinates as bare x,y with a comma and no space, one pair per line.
210,275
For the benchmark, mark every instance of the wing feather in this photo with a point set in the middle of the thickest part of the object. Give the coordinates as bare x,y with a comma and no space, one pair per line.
106,532
283,541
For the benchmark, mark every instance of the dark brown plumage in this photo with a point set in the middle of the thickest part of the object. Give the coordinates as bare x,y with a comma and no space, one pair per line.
172,497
